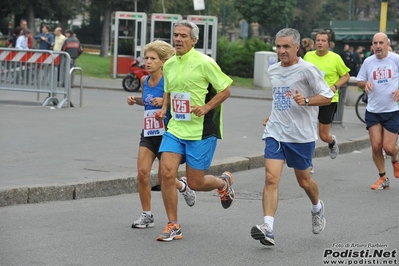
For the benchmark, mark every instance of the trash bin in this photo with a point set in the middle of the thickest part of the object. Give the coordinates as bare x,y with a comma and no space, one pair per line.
262,62
339,114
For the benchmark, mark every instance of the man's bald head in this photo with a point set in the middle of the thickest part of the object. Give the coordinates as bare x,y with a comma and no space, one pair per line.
381,45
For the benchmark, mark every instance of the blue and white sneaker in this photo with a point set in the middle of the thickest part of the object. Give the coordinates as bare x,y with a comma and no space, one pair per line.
263,233
318,220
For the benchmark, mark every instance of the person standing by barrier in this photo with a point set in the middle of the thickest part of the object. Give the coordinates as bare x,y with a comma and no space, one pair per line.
58,42
336,74
379,77
58,39
46,38
12,42
24,26
195,125
290,131
73,47
155,55
22,40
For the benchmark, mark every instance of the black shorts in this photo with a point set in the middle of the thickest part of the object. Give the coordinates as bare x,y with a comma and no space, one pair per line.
151,143
326,113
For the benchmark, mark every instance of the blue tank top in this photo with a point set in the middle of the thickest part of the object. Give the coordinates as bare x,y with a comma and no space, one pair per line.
149,93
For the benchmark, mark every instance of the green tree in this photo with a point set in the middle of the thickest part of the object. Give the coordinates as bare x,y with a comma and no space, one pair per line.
267,13
303,22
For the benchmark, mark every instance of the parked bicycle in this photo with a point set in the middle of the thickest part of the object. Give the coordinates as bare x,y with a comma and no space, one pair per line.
360,106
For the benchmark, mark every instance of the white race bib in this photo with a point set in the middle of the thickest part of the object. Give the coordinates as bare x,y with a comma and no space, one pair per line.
152,127
181,106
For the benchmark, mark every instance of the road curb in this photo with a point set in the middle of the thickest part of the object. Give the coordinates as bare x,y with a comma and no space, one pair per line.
127,185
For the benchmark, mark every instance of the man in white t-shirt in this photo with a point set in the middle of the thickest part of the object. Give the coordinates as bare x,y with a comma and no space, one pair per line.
379,77
291,130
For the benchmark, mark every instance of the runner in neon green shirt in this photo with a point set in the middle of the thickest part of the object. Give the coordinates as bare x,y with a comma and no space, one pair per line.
195,88
336,74
187,78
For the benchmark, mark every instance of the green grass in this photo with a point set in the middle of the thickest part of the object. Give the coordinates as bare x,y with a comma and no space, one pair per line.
99,67
94,66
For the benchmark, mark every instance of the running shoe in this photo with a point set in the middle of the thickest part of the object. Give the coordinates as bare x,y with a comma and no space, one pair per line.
334,150
263,233
171,231
382,183
188,194
144,221
227,194
395,169
318,220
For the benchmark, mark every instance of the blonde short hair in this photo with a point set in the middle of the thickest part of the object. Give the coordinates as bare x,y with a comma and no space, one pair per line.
163,49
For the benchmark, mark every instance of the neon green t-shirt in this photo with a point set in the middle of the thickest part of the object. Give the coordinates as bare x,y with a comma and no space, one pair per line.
187,79
331,66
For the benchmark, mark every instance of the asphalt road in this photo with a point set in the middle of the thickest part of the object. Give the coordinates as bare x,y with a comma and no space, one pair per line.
97,231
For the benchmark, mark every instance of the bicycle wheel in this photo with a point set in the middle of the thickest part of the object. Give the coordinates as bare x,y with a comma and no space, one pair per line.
360,108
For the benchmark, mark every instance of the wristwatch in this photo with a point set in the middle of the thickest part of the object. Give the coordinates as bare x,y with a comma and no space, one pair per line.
306,101
336,86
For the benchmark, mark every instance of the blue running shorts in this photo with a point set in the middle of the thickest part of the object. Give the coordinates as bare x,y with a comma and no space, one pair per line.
197,154
297,155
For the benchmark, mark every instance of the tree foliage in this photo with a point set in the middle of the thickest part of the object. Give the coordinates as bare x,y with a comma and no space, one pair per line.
267,12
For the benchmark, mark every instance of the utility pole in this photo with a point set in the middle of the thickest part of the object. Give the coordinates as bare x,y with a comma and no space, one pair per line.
350,10
208,6
383,16
135,5
224,18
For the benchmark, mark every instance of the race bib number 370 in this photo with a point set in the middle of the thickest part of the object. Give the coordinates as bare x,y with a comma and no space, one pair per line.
152,126
181,106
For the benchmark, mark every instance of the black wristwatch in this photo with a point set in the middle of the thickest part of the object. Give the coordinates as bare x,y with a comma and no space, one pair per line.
336,86
306,101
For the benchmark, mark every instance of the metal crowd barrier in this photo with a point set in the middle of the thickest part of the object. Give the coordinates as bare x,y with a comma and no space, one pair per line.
40,71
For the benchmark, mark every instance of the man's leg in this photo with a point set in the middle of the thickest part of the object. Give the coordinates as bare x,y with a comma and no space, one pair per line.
169,166
325,117
376,139
198,181
375,134
270,190
306,182
264,232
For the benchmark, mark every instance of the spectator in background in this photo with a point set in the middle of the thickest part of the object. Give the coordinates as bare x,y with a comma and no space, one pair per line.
12,42
59,39
370,52
24,26
358,58
73,48
45,38
347,57
331,46
58,42
307,45
22,41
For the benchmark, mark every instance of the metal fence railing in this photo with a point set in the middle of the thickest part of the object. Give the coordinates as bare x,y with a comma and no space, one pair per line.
40,71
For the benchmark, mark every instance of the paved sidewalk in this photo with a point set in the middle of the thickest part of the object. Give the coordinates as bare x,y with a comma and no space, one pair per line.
62,154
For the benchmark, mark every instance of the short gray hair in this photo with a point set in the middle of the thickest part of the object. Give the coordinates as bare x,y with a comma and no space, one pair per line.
296,37
194,28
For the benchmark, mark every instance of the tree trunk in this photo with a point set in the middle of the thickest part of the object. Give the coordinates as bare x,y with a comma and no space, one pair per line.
30,14
105,32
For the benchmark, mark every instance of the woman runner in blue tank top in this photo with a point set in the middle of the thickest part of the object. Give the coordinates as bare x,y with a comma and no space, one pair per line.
155,54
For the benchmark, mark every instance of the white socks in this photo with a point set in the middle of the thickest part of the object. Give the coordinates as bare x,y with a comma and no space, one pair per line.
269,220
316,208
